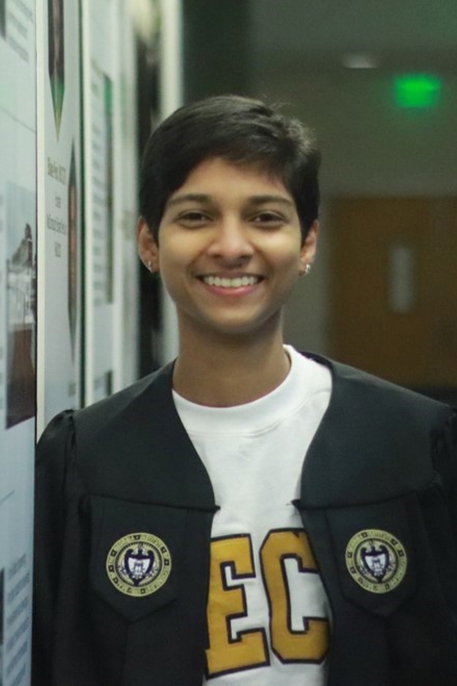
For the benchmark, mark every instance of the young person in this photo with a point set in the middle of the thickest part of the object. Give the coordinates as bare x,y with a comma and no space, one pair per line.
247,514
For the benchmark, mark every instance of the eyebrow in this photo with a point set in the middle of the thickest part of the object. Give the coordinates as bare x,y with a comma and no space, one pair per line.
253,200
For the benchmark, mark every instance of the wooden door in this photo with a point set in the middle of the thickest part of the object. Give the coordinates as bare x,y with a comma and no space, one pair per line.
394,288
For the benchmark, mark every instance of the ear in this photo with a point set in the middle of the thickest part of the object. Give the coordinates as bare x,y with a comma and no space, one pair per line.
309,247
148,250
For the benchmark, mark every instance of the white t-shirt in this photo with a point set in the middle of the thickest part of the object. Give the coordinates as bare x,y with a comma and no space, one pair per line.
268,614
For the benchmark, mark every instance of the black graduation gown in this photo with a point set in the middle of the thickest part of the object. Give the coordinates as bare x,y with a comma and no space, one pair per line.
383,459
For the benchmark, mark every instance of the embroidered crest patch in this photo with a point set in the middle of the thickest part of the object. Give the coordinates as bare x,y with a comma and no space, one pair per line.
376,560
138,564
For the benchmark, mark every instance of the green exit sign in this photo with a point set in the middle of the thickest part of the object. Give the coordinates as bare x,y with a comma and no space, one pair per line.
417,90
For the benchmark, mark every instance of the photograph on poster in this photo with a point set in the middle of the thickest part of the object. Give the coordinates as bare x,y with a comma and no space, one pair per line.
72,250
56,59
2,27
108,88
20,304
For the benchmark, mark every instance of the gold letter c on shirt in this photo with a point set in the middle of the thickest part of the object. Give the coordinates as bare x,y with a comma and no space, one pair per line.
311,644
249,649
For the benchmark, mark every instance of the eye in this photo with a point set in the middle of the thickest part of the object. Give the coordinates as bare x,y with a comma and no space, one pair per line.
193,218
268,219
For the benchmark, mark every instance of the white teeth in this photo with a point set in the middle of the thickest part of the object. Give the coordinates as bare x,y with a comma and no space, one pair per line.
237,282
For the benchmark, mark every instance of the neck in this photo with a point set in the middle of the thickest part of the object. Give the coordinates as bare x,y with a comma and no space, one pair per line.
228,372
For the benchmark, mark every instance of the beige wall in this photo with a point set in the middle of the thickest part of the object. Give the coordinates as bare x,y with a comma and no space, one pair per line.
369,148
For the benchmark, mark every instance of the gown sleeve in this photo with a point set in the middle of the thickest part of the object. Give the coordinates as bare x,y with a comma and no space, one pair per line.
450,442
445,463
54,454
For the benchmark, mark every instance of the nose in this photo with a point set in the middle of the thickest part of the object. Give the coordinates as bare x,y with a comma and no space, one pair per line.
231,241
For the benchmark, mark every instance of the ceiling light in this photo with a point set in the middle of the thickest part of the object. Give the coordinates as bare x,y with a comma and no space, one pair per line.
359,61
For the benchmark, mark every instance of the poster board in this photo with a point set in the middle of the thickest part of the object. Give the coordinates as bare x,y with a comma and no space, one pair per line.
59,209
43,251
98,24
18,268
111,289
101,202
127,315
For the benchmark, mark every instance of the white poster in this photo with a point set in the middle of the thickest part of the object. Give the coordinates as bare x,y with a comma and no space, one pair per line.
110,171
18,271
126,319
103,225
59,203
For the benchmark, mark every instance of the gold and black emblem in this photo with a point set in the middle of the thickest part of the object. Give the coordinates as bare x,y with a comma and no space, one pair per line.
376,560
138,564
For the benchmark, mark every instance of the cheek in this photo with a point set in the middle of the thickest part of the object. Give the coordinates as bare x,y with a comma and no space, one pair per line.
287,259
282,248
171,267
178,253
171,258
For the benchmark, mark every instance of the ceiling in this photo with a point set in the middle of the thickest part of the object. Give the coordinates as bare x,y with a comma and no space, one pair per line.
407,34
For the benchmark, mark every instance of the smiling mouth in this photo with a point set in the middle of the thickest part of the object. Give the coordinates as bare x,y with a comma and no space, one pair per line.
235,282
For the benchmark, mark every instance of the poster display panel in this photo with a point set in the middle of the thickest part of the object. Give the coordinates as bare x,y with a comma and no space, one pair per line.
18,270
126,316
59,207
101,120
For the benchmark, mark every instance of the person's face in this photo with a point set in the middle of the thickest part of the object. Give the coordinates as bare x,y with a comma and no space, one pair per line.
230,249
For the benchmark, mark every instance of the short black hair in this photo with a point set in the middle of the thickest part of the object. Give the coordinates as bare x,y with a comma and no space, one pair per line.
240,130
